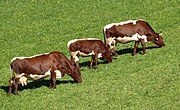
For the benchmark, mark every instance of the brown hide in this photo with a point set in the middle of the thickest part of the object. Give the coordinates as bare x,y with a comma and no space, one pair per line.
39,65
89,46
141,27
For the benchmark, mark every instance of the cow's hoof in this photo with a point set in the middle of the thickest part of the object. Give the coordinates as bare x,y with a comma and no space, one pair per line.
8,94
95,67
144,53
116,57
52,88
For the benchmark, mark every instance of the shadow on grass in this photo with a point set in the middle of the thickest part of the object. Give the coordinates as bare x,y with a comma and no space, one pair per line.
87,63
130,50
36,84
120,52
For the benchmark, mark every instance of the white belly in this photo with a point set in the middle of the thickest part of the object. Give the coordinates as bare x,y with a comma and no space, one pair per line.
48,73
36,77
24,77
135,37
74,55
84,54
124,40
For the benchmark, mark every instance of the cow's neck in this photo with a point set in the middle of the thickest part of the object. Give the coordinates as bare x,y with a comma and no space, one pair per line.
151,38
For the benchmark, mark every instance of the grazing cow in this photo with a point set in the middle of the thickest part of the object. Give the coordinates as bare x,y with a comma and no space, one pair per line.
88,47
128,31
54,64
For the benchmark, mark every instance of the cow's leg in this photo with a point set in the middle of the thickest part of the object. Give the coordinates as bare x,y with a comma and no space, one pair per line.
10,86
135,47
114,53
10,82
16,80
77,65
113,44
92,61
143,46
96,59
53,79
72,60
75,59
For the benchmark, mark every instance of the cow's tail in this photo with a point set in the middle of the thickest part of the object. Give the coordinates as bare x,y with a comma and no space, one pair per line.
104,33
10,81
11,72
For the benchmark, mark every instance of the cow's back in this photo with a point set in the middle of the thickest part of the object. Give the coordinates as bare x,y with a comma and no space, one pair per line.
81,45
38,64
141,27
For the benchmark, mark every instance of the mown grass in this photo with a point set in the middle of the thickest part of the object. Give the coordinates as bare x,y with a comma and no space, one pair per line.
147,82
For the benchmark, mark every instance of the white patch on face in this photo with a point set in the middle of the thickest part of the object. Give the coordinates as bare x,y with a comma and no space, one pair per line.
58,74
74,55
121,23
28,57
72,41
111,41
157,38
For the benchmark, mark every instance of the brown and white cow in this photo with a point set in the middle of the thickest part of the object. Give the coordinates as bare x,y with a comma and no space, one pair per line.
88,47
128,31
54,64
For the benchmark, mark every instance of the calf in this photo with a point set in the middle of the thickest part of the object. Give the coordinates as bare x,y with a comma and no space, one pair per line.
88,47
132,30
54,64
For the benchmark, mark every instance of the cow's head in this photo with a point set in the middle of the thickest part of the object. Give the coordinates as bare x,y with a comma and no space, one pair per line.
158,40
107,54
76,75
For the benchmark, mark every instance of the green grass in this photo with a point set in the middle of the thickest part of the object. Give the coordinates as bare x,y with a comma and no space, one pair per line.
143,82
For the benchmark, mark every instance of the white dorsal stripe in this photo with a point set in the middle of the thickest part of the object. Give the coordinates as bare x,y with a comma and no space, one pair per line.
72,41
28,57
121,23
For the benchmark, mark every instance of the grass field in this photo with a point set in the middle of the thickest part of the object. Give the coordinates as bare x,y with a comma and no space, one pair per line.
143,82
